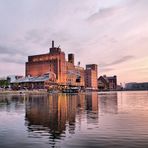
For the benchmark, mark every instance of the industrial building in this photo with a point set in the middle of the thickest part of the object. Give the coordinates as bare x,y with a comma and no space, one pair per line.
54,61
66,73
91,74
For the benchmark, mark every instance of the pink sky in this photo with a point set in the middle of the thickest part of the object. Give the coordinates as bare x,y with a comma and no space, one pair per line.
110,33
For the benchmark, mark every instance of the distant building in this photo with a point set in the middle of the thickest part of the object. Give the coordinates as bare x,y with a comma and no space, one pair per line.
136,86
119,87
91,75
107,83
103,83
112,82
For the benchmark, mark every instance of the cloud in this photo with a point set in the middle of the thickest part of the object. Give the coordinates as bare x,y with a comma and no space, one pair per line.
103,13
118,61
10,50
12,60
43,36
12,54
35,35
15,59
101,70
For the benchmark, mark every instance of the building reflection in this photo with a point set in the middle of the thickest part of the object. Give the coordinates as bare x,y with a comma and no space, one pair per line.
108,103
92,107
11,103
53,111
57,114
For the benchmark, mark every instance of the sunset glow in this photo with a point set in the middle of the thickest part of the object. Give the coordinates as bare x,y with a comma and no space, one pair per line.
110,33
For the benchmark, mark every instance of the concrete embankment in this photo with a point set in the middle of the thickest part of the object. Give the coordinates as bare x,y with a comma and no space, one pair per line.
20,92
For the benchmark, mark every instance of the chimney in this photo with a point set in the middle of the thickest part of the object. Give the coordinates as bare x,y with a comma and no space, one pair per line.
71,58
52,44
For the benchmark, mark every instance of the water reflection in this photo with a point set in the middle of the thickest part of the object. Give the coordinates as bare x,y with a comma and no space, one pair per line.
84,120
108,103
56,113
92,107
11,103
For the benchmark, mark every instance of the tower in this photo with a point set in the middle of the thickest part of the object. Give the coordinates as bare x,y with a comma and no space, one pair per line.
71,58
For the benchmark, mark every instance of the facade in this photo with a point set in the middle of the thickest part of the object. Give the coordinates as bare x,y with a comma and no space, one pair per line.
107,83
103,83
91,75
54,61
75,74
112,82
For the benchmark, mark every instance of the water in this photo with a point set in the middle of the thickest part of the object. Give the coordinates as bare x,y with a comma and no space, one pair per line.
115,119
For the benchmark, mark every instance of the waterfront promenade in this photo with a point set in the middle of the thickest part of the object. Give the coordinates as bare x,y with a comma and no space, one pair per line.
19,92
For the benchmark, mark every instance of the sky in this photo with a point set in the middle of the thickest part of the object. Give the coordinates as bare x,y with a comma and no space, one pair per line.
110,33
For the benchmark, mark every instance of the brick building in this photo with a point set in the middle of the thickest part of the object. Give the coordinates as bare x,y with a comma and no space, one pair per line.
91,75
66,72
112,82
54,61
107,83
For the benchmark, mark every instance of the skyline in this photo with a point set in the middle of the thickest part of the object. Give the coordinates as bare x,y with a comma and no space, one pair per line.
113,33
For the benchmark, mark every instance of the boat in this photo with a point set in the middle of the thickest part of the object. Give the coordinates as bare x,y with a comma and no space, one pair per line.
71,90
53,91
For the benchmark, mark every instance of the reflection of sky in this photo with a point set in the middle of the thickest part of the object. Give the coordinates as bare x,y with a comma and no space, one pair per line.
108,103
131,118
82,120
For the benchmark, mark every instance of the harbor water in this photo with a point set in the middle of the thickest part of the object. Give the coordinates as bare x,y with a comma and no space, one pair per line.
105,119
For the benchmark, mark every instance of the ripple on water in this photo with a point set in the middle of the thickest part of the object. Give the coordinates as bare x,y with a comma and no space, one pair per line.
116,119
